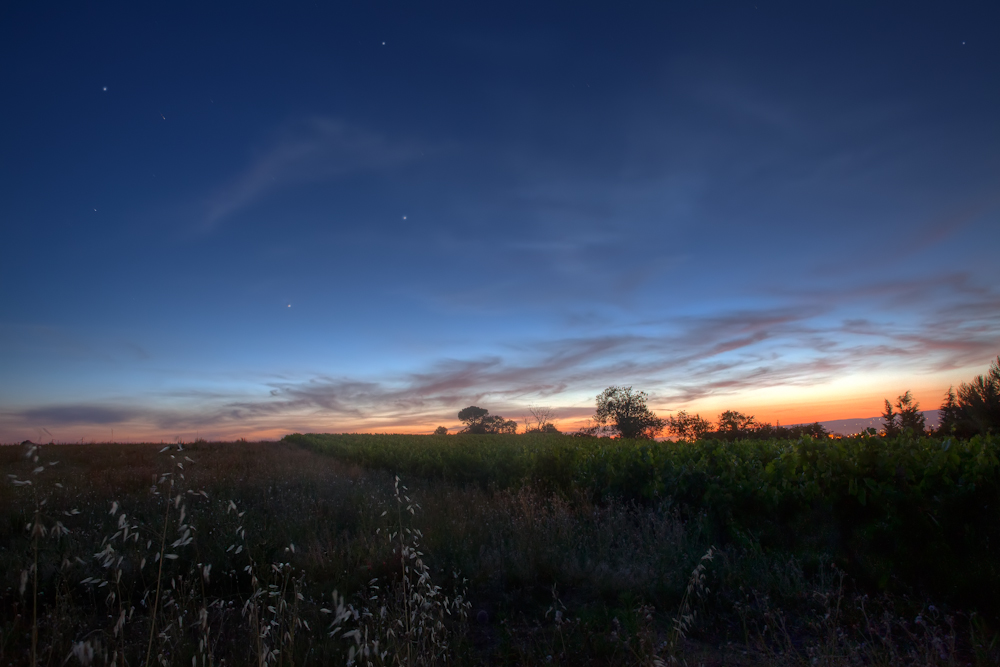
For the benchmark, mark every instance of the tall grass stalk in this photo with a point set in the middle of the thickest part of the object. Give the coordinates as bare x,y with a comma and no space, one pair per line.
159,573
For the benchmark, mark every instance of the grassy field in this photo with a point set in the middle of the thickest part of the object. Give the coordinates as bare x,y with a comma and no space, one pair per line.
501,550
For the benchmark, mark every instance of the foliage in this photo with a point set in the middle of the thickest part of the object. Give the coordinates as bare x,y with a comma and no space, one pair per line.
406,620
909,417
619,566
764,431
976,407
134,584
624,413
979,400
903,508
687,427
733,424
480,421
541,420
890,424
441,430
738,426
472,416
950,415
548,429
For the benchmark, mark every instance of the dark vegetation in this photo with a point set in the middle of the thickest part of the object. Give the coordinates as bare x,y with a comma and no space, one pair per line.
718,549
894,512
976,408
622,412
479,421
819,549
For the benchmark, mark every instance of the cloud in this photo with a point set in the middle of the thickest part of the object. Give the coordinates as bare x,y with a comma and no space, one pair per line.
938,229
73,414
684,359
680,360
312,150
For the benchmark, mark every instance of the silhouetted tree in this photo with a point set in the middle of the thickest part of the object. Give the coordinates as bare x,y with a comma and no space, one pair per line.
687,427
441,430
497,424
473,417
910,416
815,430
736,425
541,420
764,431
624,412
733,425
949,414
980,400
953,419
889,423
479,420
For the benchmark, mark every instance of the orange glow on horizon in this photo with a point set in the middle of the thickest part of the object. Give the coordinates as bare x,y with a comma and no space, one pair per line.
849,398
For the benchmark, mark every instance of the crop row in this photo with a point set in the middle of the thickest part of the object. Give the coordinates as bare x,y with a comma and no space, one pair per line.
917,511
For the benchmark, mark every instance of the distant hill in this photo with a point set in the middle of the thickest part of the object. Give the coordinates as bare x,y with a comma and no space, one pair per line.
852,426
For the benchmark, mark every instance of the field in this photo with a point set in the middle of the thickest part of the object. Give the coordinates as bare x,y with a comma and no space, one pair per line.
502,550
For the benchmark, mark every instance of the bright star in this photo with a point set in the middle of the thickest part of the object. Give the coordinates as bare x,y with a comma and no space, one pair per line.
105,87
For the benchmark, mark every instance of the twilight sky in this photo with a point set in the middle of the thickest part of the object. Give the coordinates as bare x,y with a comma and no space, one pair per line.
258,218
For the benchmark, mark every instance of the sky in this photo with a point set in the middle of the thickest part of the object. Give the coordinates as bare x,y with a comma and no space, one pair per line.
228,220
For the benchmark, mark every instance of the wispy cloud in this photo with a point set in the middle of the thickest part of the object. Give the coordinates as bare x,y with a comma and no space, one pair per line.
80,414
312,150
679,360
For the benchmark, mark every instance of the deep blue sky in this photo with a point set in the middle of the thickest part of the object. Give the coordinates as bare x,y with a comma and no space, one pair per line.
232,219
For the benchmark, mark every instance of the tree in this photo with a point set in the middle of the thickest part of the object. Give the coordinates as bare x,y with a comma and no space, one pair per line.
624,412
541,420
497,424
815,430
473,417
949,414
910,416
733,424
687,427
441,430
980,400
889,420
975,408
479,420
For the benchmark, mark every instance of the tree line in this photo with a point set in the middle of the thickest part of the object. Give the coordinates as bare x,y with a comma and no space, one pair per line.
623,412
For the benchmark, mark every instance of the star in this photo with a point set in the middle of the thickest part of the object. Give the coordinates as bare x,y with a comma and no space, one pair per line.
383,43
404,217
106,88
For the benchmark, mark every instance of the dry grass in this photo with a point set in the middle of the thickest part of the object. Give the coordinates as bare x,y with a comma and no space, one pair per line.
269,554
